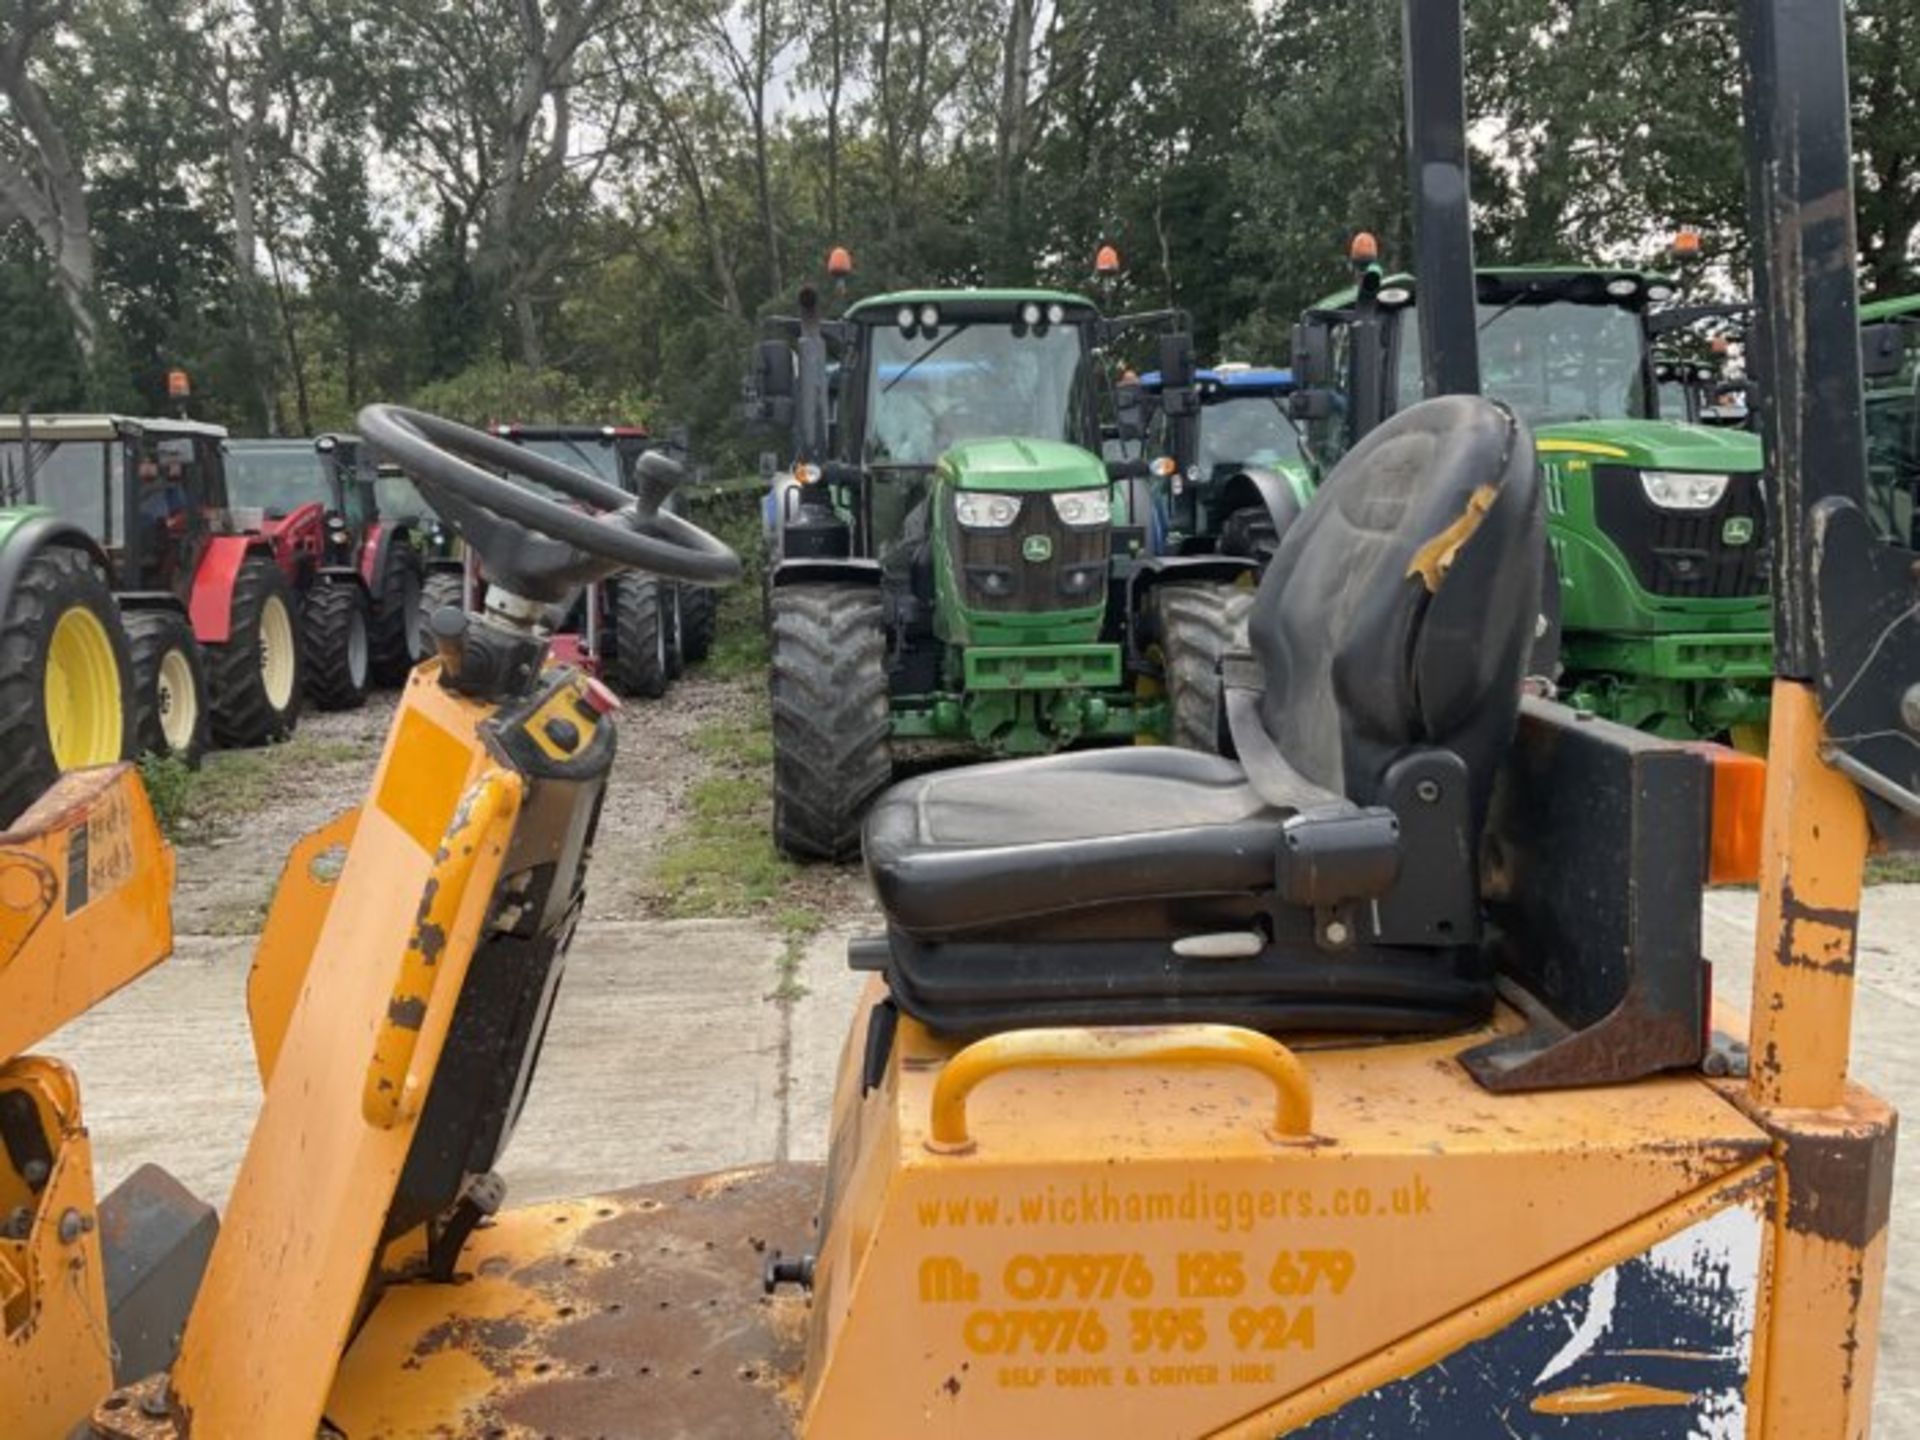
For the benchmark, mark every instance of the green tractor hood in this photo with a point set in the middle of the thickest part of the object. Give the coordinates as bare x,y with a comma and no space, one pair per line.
1653,445
1020,467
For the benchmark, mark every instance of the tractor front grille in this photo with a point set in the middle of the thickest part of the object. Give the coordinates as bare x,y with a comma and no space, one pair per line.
1686,554
996,575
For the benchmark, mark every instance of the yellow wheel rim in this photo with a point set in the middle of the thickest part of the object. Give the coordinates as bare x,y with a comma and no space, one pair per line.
82,692
178,702
277,664
1750,739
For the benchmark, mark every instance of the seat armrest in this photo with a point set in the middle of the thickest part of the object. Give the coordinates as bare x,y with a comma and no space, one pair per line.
1330,855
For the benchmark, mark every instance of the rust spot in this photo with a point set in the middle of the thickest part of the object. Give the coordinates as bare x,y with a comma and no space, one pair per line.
1837,957
951,1385
430,941
409,1014
1840,1182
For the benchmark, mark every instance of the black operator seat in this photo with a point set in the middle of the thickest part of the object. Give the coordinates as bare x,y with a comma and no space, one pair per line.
1323,877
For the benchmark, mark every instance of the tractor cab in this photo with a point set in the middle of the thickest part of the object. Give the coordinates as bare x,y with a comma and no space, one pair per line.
151,492
1221,471
1891,333
1657,526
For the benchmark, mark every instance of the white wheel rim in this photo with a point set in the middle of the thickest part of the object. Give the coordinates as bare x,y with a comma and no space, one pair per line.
357,650
178,702
277,663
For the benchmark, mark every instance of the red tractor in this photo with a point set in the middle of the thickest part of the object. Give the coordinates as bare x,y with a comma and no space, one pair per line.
357,572
210,617
638,630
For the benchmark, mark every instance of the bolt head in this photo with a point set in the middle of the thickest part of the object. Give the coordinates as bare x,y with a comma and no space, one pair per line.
1428,791
1337,932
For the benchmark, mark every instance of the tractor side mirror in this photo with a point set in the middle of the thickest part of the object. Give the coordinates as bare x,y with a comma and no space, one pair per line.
1310,405
1312,355
769,387
1177,395
1882,349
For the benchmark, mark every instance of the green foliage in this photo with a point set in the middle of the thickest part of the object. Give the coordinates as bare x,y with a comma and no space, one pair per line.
496,390
170,789
233,784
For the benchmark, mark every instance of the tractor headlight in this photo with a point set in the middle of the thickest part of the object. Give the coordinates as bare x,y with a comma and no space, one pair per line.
1682,490
1030,314
1084,507
1056,313
978,510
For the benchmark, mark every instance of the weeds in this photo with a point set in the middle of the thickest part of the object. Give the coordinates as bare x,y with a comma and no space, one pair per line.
196,804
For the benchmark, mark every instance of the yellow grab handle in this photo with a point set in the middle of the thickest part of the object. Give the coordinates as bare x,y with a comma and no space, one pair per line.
1075,1048
392,1092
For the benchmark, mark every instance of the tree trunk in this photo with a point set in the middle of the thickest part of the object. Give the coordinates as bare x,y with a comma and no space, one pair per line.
1012,140
48,190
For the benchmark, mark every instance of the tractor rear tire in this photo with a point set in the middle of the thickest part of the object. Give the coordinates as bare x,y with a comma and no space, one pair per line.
699,607
832,726
66,683
641,664
173,708
397,634
335,630
1193,625
257,673
440,589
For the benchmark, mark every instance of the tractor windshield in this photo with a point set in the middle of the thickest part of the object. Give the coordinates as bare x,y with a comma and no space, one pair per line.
596,456
1553,360
1246,430
275,476
969,381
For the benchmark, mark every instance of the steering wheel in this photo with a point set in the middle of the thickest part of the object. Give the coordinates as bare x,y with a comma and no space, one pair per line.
529,543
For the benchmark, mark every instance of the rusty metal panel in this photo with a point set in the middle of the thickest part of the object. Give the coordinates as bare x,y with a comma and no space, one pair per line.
634,1313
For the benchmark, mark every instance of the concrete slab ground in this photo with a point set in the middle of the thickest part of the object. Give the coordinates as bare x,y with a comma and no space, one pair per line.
686,1046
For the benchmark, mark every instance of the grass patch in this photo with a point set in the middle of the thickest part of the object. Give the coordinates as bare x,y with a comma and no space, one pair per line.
739,629
1893,870
195,804
722,860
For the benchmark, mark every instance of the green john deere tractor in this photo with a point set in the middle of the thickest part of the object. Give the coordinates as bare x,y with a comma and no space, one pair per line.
951,560
1890,343
1657,526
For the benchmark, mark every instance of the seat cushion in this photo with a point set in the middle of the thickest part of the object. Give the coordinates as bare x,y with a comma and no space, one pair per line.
979,846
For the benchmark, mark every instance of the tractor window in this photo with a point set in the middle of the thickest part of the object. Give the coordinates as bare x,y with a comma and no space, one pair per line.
398,499
1246,430
275,478
971,381
1893,449
595,456
77,478
1553,361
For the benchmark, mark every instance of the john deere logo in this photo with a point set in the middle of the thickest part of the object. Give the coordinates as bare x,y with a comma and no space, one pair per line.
1737,531
1037,548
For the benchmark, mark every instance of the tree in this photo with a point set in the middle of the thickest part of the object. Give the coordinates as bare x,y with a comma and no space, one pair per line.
41,181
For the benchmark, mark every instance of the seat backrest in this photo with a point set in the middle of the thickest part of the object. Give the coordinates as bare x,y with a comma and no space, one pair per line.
1400,608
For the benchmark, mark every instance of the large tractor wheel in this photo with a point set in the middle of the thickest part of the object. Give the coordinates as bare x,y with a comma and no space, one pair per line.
398,636
642,635
257,673
699,608
832,748
335,625
66,686
1192,626
674,596
440,589
173,709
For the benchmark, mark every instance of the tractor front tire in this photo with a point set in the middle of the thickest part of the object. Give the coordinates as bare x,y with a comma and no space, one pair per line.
1249,532
66,685
1192,626
335,628
257,673
397,632
832,728
173,709
642,659
699,607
